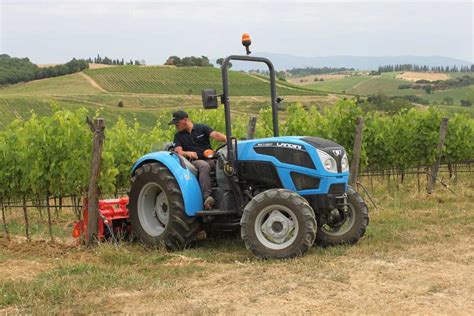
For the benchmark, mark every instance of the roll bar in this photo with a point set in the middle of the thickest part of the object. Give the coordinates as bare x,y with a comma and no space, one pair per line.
225,97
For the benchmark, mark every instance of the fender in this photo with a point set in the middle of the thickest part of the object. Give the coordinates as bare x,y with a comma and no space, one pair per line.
188,183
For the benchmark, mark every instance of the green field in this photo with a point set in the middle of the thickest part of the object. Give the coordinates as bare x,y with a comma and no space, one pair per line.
343,85
63,85
183,81
387,84
376,85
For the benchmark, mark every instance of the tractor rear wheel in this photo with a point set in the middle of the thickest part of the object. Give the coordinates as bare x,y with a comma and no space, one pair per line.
156,209
278,223
345,226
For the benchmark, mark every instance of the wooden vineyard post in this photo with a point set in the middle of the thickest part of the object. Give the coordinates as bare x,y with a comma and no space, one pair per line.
357,149
251,127
93,194
4,220
50,225
439,150
27,222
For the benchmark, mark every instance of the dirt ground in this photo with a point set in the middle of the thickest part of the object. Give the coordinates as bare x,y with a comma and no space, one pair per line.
423,279
414,76
396,284
417,257
92,81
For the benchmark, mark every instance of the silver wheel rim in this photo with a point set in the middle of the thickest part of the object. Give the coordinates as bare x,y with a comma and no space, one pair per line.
153,209
276,227
349,221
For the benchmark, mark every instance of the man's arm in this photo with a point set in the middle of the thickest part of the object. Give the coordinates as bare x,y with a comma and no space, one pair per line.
218,136
187,154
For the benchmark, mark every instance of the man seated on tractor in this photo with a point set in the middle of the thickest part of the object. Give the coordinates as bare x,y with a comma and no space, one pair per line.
191,140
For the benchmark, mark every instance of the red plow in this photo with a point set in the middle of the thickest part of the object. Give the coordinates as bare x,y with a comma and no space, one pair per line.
112,219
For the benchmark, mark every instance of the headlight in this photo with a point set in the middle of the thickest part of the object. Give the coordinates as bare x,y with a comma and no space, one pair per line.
345,163
328,162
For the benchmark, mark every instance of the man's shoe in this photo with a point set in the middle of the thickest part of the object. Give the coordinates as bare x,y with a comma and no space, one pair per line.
209,203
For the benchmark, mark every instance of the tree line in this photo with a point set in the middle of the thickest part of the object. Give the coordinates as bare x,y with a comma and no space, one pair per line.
430,86
191,61
308,71
423,68
14,70
109,61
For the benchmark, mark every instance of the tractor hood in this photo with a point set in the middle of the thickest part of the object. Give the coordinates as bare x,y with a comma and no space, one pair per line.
293,150
333,149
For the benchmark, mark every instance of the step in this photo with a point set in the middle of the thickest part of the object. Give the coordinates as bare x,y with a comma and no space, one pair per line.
214,212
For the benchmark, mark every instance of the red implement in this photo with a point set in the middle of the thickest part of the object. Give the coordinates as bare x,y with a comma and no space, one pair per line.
109,211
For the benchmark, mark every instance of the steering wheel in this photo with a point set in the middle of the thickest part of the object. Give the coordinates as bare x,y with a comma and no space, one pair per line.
220,147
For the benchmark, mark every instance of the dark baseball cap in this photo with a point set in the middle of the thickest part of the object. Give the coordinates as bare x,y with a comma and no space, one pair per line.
177,116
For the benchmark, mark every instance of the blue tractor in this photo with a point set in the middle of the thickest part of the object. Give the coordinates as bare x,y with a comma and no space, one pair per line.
283,193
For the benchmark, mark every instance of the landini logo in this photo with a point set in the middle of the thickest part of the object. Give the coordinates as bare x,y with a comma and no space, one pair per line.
337,152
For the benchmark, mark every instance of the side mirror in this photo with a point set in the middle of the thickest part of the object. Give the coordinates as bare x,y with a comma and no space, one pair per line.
209,99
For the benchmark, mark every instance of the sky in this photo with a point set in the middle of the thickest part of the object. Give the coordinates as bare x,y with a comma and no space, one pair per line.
56,31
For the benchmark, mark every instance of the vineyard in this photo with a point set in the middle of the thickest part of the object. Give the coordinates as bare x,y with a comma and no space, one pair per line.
50,155
184,81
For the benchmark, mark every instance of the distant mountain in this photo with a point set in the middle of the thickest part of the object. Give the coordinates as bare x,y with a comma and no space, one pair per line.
284,61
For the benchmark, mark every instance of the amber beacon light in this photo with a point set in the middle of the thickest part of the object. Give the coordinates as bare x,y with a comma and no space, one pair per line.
246,42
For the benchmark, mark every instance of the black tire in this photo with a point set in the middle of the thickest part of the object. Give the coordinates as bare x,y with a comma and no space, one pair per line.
179,230
288,203
351,234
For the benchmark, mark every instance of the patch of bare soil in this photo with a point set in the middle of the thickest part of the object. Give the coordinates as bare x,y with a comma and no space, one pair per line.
98,66
47,65
93,82
20,246
19,269
414,76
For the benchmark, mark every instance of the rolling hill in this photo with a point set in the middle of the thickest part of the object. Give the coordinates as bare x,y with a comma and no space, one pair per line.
184,81
144,91
387,83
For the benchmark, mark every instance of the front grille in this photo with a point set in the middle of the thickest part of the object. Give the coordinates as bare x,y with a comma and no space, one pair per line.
337,188
304,182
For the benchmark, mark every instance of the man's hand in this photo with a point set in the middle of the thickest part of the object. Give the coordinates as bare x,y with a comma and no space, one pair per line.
191,154
187,154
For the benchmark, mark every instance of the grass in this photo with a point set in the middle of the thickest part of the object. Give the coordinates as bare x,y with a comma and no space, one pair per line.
453,109
382,84
22,108
416,245
64,85
342,85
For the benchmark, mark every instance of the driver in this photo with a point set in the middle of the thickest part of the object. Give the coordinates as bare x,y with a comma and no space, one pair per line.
191,140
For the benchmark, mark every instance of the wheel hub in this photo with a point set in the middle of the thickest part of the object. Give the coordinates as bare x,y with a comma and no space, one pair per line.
277,229
334,216
339,221
161,209
153,209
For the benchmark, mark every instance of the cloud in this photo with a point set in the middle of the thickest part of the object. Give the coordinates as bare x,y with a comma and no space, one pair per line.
156,29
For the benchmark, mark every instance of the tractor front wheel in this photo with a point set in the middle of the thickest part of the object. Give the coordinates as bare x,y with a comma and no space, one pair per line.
156,209
279,224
